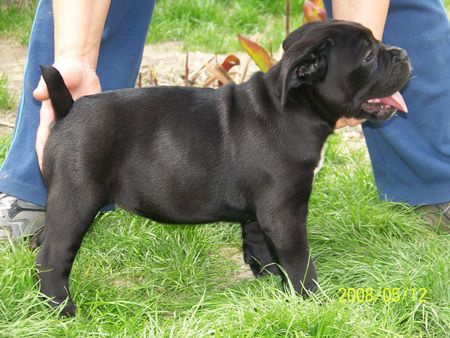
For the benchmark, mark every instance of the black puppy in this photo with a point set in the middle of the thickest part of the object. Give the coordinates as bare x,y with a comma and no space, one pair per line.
243,153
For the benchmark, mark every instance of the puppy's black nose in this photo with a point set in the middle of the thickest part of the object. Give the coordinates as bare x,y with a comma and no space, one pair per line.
398,55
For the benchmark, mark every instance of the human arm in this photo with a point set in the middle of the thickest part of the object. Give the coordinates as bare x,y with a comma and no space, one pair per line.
369,13
78,29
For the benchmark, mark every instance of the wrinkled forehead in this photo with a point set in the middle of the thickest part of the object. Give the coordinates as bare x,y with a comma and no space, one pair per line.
339,32
344,35
338,28
351,43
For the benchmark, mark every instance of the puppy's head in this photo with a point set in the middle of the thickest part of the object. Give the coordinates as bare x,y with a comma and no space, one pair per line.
343,71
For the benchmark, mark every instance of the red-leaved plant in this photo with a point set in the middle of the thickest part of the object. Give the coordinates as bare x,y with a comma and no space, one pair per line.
313,10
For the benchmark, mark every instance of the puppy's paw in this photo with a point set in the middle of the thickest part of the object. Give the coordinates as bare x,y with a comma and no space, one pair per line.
260,263
257,253
69,309
303,289
302,281
310,286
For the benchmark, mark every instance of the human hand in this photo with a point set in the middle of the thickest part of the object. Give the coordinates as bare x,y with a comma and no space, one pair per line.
344,121
80,78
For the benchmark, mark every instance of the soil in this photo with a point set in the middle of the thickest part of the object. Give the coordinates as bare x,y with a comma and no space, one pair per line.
12,63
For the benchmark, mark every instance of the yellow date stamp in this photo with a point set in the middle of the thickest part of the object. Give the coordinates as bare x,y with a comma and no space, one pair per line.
386,295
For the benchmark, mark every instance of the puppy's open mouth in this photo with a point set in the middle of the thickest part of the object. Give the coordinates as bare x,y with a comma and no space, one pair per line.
385,106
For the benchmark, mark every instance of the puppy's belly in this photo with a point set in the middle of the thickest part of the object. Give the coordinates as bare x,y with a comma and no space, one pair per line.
169,212
179,200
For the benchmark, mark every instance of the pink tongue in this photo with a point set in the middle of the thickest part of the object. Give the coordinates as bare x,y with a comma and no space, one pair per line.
395,100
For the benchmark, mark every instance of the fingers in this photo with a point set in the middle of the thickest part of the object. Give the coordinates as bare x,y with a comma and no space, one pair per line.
354,122
47,116
343,122
41,91
80,78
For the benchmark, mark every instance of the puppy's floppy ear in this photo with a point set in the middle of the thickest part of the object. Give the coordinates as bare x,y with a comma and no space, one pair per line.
308,67
299,33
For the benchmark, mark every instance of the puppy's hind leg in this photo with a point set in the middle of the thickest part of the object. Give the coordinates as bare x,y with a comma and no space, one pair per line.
70,211
257,252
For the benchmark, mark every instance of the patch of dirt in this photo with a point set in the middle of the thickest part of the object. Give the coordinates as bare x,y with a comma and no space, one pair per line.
167,63
353,138
236,256
13,58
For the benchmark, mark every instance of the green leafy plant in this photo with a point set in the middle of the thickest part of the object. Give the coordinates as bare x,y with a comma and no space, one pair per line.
16,18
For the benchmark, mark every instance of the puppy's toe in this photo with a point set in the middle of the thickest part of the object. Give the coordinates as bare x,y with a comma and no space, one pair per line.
69,310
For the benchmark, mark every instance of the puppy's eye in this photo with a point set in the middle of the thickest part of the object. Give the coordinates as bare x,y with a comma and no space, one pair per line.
370,55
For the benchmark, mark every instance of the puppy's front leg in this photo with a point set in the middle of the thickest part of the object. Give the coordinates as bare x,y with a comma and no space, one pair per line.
285,226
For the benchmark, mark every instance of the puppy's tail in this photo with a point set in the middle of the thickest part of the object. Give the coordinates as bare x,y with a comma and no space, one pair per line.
60,96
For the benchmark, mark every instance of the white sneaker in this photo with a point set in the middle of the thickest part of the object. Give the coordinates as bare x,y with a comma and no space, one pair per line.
19,218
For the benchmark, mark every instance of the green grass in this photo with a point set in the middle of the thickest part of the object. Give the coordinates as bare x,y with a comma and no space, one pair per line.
16,21
7,100
212,25
208,25
134,277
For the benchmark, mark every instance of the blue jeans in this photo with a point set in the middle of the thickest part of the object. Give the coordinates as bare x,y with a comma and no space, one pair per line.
410,153
118,65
